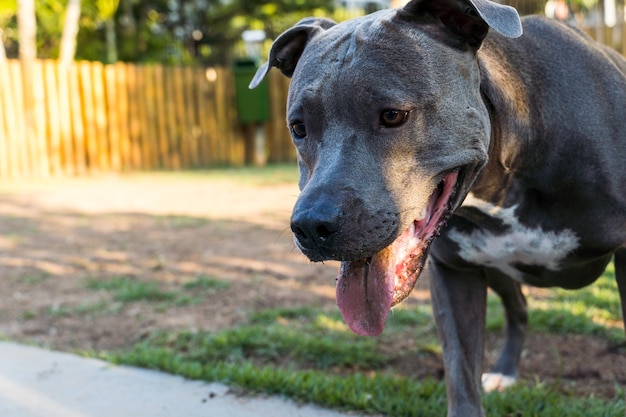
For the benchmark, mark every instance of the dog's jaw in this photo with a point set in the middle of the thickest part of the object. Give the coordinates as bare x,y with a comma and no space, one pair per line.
368,288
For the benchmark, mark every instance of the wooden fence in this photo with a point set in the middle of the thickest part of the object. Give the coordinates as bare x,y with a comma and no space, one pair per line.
92,117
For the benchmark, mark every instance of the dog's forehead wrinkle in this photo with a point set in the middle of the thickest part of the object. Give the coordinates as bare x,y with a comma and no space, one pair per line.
306,99
377,40
368,61
364,26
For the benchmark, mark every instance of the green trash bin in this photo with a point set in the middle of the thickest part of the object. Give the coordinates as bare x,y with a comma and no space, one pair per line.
252,105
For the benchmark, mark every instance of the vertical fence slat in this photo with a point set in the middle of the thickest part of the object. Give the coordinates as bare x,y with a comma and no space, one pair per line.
237,151
113,115
193,120
183,131
212,134
77,117
197,96
25,145
279,140
134,115
186,131
160,117
89,116
143,104
122,105
175,139
65,121
5,136
100,117
4,143
40,145
23,167
53,117
10,123
150,142
222,119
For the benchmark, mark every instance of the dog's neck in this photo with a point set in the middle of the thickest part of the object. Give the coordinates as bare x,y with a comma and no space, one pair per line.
510,116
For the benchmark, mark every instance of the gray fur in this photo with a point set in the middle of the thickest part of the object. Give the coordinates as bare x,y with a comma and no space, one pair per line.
534,124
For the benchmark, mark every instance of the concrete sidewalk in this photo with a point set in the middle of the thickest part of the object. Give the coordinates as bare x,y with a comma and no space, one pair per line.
39,383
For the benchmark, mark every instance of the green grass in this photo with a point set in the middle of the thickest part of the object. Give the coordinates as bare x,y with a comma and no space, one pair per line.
296,353
176,221
587,311
28,315
301,353
94,309
592,310
309,355
370,392
203,282
34,278
128,289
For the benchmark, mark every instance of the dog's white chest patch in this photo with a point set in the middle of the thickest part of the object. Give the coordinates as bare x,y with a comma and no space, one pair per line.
519,244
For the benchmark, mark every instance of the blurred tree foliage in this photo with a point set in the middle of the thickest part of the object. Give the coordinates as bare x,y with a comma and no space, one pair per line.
174,31
179,31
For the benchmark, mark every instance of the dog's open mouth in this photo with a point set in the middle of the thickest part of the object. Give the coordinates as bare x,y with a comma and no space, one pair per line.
368,288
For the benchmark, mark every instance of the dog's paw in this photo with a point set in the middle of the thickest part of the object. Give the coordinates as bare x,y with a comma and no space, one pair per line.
497,382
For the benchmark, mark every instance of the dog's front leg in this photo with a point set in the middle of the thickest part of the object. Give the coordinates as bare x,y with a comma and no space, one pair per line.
459,300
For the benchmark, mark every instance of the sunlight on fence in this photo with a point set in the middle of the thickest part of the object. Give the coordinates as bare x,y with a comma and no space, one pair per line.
110,118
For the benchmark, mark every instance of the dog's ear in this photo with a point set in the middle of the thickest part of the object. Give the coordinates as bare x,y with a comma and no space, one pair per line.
471,19
288,47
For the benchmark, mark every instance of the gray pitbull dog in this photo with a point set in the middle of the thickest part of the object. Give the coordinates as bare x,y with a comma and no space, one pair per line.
441,129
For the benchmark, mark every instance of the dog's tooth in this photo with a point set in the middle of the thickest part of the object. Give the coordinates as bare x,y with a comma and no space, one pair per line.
423,213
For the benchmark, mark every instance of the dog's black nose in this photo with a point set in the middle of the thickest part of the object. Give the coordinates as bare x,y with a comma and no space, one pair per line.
316,227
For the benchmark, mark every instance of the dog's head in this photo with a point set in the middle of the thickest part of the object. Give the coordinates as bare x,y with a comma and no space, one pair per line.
390,129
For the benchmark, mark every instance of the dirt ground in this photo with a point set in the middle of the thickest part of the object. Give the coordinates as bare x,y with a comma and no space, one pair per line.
56,238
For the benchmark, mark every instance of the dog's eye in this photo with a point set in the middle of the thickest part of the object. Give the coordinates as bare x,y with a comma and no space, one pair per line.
393,118
298,129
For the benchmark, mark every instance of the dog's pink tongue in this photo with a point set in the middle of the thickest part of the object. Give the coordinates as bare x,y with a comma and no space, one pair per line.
365,290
